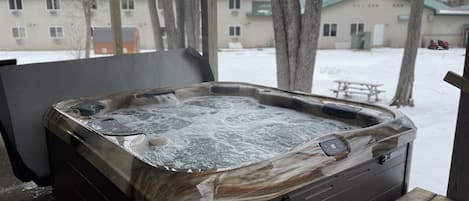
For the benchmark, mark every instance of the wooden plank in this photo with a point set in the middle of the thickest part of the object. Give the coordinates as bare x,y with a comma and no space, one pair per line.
116,26
418,194
358,83
359,92
440,198
459,171
457,81
209,34
359,88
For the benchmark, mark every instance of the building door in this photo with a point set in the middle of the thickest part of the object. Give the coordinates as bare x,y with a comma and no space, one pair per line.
378,35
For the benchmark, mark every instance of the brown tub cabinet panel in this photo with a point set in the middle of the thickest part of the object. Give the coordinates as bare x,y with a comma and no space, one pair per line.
373,180
75,179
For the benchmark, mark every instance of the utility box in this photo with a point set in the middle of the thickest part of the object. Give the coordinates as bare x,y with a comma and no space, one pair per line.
361,41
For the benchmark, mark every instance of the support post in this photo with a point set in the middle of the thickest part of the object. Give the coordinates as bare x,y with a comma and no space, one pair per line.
116,26
459,171
209,34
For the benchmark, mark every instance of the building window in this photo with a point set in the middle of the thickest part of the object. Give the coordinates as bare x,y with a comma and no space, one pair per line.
128,4
234,31
234,4
56,32
18,32
16,4
330,30
53,4
357,28
261,8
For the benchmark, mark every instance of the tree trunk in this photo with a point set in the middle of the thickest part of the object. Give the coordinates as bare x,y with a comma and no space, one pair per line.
181,38
296,40
281,53
190,28
197,28
209,34
293,25
87,12
405,84
311,24
171,32
116,26
155,24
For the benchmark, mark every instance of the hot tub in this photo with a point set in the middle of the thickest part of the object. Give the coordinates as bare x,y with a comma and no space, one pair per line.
226,141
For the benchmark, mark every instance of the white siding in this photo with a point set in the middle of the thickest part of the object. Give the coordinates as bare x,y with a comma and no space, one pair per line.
256,31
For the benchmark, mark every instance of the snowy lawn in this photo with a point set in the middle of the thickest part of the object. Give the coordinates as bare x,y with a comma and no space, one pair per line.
436,101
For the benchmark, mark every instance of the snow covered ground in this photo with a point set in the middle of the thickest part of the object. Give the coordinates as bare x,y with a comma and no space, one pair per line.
436,101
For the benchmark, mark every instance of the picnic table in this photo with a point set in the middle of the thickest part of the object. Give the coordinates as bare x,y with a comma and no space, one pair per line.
351,87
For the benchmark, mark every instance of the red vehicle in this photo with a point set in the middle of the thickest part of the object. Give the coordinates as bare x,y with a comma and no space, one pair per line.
438,45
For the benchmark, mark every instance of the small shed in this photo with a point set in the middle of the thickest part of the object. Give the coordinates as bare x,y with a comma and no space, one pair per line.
103,43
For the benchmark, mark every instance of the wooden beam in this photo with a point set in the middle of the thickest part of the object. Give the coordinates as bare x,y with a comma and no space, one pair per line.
459,172
457,81
116,26
209,34
418,194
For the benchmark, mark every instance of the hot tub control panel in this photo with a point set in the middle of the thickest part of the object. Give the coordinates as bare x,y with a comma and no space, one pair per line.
333,147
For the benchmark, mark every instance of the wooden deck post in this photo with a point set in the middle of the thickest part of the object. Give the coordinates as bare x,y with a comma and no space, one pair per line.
458,184
116,26
209,34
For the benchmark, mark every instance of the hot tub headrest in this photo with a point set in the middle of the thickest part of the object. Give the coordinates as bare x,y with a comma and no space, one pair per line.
27,91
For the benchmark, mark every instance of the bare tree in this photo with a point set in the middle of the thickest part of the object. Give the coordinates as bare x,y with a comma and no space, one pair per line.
87,6
75,40
189,22
116,26
405,84
181,39
79,33
197,28
155,24
170,24
296,41
192,21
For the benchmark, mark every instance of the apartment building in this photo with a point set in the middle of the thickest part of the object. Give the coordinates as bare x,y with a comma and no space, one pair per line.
59,24
248,23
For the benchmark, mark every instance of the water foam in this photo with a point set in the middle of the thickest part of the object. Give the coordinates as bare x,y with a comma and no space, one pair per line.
219,132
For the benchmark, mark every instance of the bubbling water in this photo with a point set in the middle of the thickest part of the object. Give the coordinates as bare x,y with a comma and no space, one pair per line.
220,132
